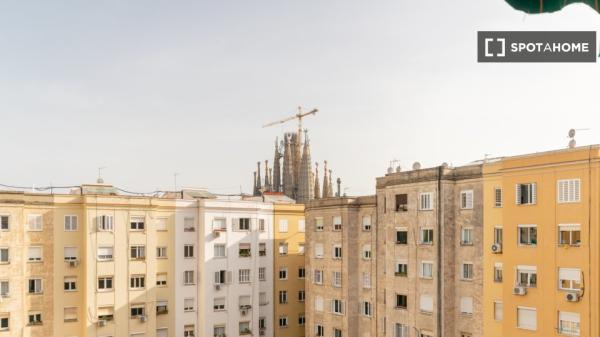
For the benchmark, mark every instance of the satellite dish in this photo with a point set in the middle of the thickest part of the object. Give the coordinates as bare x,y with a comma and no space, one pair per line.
416,166
444,164
398,169
390,170
571,133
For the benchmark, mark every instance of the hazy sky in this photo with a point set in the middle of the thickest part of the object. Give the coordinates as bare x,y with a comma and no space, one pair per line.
149,88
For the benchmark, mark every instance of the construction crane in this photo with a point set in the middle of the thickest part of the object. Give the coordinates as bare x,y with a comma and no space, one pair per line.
298,116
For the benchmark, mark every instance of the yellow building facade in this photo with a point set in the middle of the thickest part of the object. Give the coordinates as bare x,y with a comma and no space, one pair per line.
541,244
288,270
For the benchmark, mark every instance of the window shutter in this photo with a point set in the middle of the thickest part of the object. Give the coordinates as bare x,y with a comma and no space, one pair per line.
518,194
470,200
534,193
527,318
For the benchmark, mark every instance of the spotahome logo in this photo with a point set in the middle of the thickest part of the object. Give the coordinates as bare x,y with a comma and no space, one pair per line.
536,46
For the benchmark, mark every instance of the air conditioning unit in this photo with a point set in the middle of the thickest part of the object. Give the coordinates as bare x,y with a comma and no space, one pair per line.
73,263
216,233
243,312
102,322
496,248
572,297
217,286
521,291
143,318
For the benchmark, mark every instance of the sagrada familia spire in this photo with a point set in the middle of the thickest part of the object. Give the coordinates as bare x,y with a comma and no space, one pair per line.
294,177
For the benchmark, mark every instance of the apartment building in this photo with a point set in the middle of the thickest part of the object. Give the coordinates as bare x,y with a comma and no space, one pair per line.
429,238
341,267
541,248
288,270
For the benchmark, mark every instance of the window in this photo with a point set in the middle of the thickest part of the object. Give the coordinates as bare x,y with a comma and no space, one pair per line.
426,236
318,224
188,277
568,323
219,224
161,224
188,251
402,269
497,197
70,223
336,279
219,304
301,225
35,318
70,254
401,236
138,252
337,306
498,311
161,279
34,222
261,225
426,270
319,250
222,277
283,273
319,303
105,283
301,295
244,276
161,252
401,202
283,248
4,255
401,330
188,304
245,328
498,272
35,286
4,223
136,224
337,223
301,248
262,298
283,322
466,199
162,307
283,225
568,190
526,276
189,225
527,318
162,332
527,235
425,202
337,333
137,282
569,234
319,330
366,252
467,271
498,235
301,319
106,313
426,303
219,250
301,272
401,301
34,254
137,310
105,223
337,251
366,308
262,249
70,314
366,280
526,194
466,305
241,224
4,288
466,236
105,253
219,331
4,323
366,223
262,274
244,302
318,277
244,250
569,279
283,298
70,283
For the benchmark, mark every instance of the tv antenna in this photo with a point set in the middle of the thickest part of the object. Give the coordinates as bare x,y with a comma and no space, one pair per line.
572,132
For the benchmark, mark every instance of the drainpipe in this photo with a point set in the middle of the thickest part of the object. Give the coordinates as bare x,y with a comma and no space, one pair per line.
439,253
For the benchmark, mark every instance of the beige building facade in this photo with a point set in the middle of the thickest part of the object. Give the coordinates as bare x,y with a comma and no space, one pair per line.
429,237
341,267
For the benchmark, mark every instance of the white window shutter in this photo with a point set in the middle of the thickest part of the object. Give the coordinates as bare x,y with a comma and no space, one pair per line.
518,194
534,193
